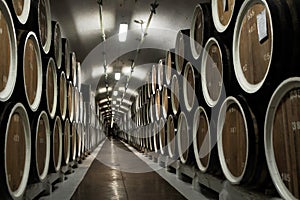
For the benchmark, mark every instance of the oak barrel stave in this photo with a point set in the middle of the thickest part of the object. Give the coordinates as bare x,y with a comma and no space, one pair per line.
9,53
281,134
14,141
40,140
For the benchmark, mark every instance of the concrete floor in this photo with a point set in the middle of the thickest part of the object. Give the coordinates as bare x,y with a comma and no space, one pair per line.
115,170
117,173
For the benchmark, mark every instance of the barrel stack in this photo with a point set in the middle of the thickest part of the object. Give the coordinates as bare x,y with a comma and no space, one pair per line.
235,74
39,77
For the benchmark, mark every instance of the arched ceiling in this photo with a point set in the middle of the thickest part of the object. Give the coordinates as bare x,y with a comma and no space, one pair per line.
80,23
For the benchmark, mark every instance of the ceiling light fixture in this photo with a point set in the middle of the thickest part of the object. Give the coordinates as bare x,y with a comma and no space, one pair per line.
117,76
115,93
123,32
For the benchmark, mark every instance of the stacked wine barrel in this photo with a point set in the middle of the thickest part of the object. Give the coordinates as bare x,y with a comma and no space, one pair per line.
226,98
39,97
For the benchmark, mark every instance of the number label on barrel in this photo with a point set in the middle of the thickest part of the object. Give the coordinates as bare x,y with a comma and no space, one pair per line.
233,130
250,14
295,94
42,140
267,56
245,67
16,138
252,28
296,125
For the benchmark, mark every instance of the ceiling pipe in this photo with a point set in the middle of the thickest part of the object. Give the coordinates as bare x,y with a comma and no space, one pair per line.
100,3
153,5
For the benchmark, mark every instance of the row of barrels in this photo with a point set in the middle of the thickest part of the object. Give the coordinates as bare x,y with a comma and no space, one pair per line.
236,99
44,120
35,145
233,145
27,70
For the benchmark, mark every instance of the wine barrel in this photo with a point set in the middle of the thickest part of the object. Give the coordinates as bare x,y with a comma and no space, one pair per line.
56,48
140,138
240,147
142,96
51,86
190,78
145,130
150,128
21,9
223,12
9,57
78,73
182,49
30,57
40,156
162,136
63,95
175,95
147,107
266,31
157,104
185,139
201,28
166,102
160,74
66,57
70,107
41,14
148,85
83,149
152,108
153,78
145,139
67,142
216,72
282,140
73,139
204,142
15,147
80,107
79,138
171,136
87,138
145,115
87,117
57,145
141,134
155,133
73,68
76,105
170,65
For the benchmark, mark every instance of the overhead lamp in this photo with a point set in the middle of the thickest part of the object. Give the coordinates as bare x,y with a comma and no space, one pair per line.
123,32
103,90
104,100
117,76
114,102
115,93
126,70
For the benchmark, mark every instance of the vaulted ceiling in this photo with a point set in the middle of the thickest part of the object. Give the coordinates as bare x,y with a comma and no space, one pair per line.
80,23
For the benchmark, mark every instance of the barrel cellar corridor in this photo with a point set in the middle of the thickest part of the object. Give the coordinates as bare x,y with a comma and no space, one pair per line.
149,99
